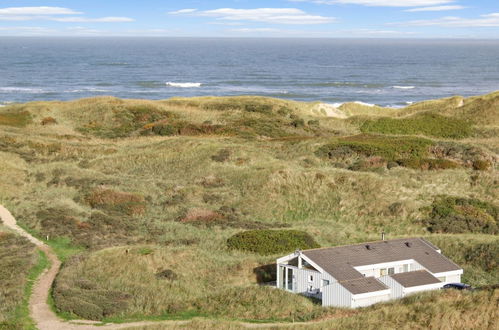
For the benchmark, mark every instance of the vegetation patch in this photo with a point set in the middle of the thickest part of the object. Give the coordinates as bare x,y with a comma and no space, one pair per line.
48,121
260,303
476,254
126,119
15,118
87,299
450,214
428,164
17,258
428,124
387,147
116,201
269,242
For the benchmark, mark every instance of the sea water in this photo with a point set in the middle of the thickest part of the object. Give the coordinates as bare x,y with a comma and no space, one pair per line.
373,71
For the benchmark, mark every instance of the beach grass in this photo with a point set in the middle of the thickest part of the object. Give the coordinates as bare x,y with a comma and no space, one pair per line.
100,182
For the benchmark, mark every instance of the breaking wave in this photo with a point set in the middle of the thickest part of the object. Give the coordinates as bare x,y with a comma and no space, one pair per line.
183,85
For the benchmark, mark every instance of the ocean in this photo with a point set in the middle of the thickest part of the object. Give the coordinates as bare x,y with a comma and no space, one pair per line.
376,71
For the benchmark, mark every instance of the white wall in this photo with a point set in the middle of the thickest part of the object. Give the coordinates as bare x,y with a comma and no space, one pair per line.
368,301
397,290
336,295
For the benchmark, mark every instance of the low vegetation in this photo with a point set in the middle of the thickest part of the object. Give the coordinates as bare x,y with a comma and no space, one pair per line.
267,242
17,258
176,208
14,118
450,214
428,124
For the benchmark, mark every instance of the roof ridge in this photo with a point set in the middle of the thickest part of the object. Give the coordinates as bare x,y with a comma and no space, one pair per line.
378,241
358,278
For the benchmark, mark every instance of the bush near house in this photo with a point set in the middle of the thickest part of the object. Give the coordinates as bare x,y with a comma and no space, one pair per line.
450,214
268,242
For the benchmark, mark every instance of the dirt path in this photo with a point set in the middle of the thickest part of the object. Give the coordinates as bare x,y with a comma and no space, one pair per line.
46,319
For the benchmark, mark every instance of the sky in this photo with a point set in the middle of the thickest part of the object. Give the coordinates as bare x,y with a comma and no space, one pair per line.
471,19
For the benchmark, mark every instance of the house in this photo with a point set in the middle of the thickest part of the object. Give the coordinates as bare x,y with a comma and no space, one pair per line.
364,274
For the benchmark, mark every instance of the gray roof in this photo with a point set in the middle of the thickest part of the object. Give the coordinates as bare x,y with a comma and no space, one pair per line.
363,285
339,261
415,278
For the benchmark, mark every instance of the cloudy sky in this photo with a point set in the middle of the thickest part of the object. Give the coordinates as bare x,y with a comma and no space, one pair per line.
253,18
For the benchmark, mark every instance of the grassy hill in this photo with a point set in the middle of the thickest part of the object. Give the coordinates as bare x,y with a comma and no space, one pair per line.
173,181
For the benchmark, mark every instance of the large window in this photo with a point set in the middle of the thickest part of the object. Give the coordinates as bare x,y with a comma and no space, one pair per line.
382,272
391,271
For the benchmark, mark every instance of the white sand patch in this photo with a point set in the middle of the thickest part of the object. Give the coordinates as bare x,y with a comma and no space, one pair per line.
330,110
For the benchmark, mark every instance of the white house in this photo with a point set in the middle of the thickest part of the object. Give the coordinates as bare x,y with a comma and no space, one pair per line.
364,274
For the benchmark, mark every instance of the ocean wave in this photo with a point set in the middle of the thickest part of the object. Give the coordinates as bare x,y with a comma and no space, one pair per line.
365,104
21,90
339,104
404,87
88,89
344,84
183,85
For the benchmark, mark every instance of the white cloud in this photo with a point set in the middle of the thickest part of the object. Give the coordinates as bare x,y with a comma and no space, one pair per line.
85,19
52,14
251,30
435,8
265,15
488,20
182,11
381,3
37,11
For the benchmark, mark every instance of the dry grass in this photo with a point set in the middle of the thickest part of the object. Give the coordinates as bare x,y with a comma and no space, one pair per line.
131,192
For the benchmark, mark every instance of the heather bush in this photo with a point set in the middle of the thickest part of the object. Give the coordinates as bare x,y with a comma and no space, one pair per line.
268,242
461,215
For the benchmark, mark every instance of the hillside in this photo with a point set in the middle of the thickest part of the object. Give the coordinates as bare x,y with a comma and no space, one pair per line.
139,199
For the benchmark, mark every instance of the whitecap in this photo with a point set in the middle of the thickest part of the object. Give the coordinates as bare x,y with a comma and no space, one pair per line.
404,87
21,89
183,85
365,104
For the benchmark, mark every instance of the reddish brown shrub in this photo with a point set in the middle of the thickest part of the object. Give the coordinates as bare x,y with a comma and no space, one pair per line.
48,121
201,216
123,202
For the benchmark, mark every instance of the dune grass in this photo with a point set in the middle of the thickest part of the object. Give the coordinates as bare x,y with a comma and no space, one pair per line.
421,124
173,201
20,265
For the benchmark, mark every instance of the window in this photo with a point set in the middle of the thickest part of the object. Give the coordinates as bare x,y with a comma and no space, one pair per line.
310,288
310,278
391,271
382,272
406,268
442,279
325,282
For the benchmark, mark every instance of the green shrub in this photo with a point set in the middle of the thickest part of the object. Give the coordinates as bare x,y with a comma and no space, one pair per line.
388,147
428,164
421,124
268,242
461,215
